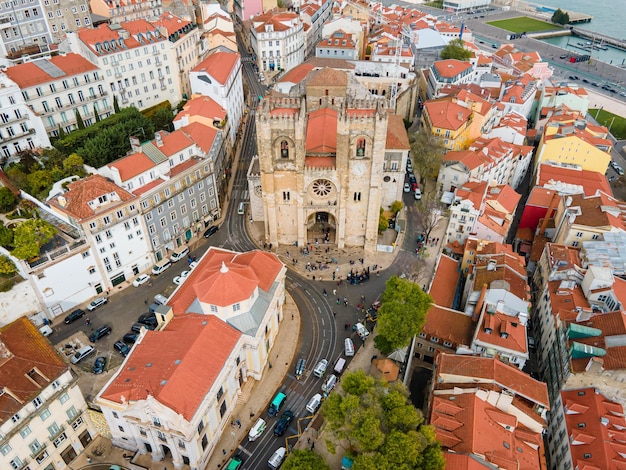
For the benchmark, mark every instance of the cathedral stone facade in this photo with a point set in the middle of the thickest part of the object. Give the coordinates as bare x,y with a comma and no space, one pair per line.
327,163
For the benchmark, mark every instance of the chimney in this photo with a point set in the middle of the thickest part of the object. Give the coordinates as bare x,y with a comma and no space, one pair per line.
460,115
159,139
135,145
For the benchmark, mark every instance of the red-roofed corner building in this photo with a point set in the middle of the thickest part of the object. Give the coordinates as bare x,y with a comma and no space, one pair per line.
21,128
277,39
449,123
490,411
173,179
327,164
58,87
339,45
44,419
218,77
448,72
103,213
220,327
137,58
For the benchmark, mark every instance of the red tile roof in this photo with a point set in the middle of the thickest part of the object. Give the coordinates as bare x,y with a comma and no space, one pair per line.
596,427
443,287
321,131
590,181
506,332
202,106
171,23
219,65
75,201
397,137
445,114
449,325
132,165
173,142
224,278
202,135
296,74
450,68
180,375
28,74
456,461
28,363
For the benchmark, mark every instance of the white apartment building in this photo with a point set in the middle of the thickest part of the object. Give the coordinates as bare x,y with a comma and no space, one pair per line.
58,88
109,218
23,29
20,127
219,77
136,60
44,423
127,10
315,14
277,39
214,315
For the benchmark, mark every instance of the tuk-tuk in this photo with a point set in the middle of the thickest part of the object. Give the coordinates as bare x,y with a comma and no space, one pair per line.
300,366
256,430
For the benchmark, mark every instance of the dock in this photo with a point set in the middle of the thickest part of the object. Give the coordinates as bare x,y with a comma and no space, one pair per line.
546,12
598,38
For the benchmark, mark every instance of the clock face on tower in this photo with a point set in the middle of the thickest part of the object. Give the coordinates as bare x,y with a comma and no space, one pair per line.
257,190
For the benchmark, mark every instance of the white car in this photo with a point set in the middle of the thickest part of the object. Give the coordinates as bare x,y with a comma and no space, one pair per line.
97,303
184,274
140,280
407,188
418,194
193,264
178,280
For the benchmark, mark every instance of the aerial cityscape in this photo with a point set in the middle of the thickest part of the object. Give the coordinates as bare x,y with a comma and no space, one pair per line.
312,234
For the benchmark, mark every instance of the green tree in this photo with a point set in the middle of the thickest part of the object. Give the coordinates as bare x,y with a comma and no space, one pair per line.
162,117
18,177
383,428
30,236
7,266
79,120
427,154
396,206
62,133
73,165
6,236
304,460
383,223
560,17
40,182
96,114
116,105
402,312
8,200
456,50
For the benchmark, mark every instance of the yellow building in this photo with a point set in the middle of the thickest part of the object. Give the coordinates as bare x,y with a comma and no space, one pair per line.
569,138
449,123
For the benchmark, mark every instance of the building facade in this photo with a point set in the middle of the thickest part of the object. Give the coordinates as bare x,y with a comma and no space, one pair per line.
44,423
23,29
277,39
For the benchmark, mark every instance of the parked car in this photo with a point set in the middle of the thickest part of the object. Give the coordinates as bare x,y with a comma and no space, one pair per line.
95,303
407,188
619,170
148,319
140,280
283,423
122,348
99,365
75,315
300,368
136,328
82,353
210,231
99,333
418,194
130,338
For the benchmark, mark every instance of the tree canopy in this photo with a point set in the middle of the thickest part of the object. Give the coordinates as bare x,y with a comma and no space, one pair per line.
304,460
7,267
427,154
402,313
383,428
7,200
30,236
456,50
560,17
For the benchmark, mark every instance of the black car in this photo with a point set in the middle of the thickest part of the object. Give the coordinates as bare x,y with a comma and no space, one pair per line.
130,338
75,315
122,348
99,365
283,423
136,328
100,333
210,231
148,319
585,80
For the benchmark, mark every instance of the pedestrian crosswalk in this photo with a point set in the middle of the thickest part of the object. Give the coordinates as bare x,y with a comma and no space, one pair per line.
240,194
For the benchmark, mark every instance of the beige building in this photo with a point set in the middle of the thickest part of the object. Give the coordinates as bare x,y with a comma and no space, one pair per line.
328,162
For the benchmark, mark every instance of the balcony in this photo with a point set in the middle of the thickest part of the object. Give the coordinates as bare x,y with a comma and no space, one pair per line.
58,433
20,135
47,111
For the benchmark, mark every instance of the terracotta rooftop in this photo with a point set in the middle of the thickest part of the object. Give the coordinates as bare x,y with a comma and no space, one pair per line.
171,23
449,325
596,426
224,278
321,131
507,270
501,331
397,137
556,176
296,74
28,363
75,201
33,73
444,285
451,68
219,65
180,375
202,106
132,165
445,114
202,135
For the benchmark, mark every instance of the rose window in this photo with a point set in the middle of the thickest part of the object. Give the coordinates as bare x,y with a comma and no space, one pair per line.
322,188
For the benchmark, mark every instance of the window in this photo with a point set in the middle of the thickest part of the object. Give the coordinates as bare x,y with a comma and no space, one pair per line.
25,431
5,449
284,149
35,446
236,307
360,147
357,197
286,196
15,418
54,429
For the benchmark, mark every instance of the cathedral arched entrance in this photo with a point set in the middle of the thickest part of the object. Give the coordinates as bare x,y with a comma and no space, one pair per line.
321,228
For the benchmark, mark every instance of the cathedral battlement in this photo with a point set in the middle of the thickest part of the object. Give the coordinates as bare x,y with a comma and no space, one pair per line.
283,108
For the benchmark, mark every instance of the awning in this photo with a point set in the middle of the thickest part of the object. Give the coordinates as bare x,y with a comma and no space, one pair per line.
447,197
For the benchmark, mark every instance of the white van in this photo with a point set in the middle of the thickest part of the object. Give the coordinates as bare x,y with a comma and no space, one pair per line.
330,383
256,430
339,365
241,209
349,347
361,331
161,266
179,253
320,368
277,458
82,353
314,403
